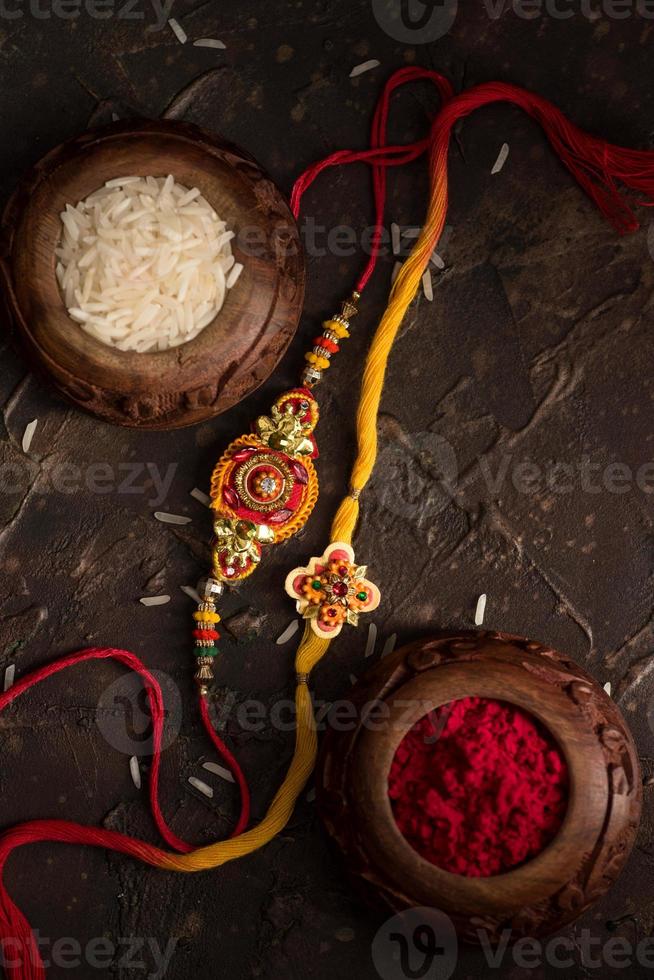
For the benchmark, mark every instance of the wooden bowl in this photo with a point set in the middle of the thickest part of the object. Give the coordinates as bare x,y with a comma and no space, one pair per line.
231,356
601,821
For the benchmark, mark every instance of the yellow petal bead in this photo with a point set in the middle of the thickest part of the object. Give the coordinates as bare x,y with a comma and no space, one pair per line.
340,330
206,617
310,357
322,363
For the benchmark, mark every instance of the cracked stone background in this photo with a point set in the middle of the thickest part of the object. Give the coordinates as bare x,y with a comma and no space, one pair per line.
537,348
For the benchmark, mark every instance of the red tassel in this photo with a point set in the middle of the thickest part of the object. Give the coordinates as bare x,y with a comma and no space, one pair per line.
596,165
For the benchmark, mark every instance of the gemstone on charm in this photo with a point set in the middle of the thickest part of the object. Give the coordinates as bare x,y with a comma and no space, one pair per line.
316,584
362,596
343,570
339,589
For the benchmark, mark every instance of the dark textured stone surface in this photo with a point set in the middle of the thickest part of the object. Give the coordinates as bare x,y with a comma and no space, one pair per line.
537,348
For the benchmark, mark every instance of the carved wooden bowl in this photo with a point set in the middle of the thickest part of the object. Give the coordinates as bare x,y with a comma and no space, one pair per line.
232,355
601,821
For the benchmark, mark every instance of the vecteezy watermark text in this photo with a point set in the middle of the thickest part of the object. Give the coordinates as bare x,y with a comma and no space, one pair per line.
421,944
101,478
136,10
136,953
425,21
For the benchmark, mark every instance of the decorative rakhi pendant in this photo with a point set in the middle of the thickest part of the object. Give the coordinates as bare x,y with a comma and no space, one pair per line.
265,485
332,590
264,488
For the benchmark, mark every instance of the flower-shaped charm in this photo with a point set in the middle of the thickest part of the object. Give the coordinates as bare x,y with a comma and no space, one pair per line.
332,590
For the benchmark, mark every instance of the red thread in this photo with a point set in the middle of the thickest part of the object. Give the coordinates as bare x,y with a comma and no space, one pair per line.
22,958
478,787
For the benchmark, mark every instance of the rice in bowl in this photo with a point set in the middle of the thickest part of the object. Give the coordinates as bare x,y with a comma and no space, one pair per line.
144,263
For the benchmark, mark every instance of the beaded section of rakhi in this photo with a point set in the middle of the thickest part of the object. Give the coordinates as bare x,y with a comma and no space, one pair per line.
325,346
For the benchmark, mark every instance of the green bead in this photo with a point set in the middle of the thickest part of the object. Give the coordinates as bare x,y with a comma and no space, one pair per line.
362,596
206,651
316,584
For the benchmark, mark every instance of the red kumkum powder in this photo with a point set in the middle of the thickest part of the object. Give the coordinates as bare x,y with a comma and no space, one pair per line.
478,787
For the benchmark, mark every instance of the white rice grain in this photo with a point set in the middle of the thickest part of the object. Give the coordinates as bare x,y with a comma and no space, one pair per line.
178,30
290,631
10,674
135,771
389,645
191,593
166,518
364,66
233,275
201,787
395,238
218,771
28,434
209,42
480,610
501,159
155,600
427,286
201,496
372,639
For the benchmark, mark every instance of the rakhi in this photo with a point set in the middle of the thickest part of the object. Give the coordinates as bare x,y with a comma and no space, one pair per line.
597,166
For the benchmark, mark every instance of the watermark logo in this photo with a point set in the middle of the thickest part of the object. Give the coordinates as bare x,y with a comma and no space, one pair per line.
123,714
157,11
415,21
419,944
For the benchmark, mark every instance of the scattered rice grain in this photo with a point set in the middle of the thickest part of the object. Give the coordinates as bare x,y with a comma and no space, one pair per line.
201,496
389,645
155,600
395,238
364,66
165,518
209,42
28,434
501,159
10,674
201,787
191,593
427,286
480,610
290,631
135,771
372,639
178,30
218,771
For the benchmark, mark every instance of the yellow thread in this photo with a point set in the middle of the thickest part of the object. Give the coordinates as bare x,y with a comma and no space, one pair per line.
312,648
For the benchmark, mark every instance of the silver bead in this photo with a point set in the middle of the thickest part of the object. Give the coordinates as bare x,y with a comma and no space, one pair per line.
311,375
210,587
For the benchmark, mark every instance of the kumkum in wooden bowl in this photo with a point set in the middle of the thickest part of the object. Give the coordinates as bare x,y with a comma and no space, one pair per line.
368,783
232,355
